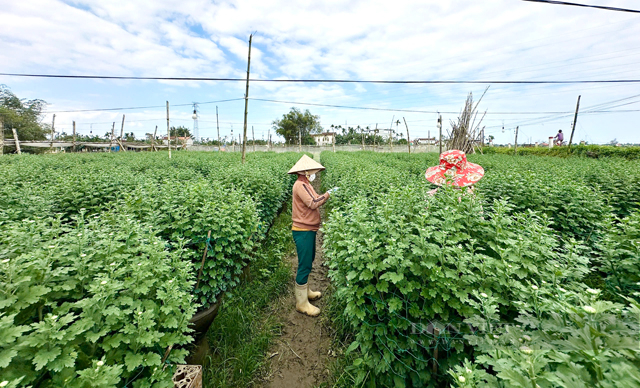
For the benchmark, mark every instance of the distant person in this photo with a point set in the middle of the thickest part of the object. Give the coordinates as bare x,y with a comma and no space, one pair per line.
559,138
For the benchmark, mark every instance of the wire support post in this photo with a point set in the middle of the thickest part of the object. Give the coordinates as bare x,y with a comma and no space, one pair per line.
168,131
246,103
573,126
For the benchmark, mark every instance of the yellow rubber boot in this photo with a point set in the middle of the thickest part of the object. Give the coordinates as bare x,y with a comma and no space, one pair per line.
313,295
302,301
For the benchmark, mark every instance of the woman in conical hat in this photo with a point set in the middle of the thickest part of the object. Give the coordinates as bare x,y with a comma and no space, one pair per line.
306,222
454,169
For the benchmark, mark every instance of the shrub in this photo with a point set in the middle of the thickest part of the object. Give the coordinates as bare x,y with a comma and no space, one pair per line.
95,303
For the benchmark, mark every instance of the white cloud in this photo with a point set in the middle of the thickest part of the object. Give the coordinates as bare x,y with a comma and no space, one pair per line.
410,40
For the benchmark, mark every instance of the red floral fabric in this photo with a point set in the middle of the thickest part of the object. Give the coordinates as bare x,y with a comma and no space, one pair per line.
455,169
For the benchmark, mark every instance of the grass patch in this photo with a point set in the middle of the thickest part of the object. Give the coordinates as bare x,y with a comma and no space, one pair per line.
243,331
334,322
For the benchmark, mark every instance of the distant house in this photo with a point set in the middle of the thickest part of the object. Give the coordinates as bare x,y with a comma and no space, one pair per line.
326,138
425,140
180,140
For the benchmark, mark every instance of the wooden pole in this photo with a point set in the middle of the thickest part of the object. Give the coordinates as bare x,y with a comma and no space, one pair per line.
299,139
74,136
390,131
206,248
362,133
515,148
168,131
575,119
15,137
269,140
408,138
253,135
113,127
53,126
375,134
153,140
246,103
440,129
218,126
333,138
122,135
1,136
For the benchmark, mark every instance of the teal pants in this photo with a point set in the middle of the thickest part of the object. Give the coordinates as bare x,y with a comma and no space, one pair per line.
306,248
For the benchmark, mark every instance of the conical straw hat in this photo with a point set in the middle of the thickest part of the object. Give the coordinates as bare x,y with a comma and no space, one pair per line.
305,164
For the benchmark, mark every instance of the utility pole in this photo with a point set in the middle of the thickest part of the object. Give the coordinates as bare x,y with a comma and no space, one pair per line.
233,142
246,102
408,138
575,119
440,129
122,134
168,131
362,133
53,125
74,136
269,140
515,148
253,135
113,127
218,127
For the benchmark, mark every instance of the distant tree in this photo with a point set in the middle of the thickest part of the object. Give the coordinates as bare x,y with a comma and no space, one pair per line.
23,115
295,124
180,131
613,142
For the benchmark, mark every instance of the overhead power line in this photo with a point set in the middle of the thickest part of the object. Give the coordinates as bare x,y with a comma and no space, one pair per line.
585,5
614,81
141,107
396,110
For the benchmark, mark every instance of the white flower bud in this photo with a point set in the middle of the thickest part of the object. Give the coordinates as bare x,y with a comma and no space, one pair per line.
100,363
6,260
534,287
593,291
482,294
103,282
526,350
462,379
589,309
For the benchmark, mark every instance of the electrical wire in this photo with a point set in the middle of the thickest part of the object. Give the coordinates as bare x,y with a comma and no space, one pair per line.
142,107
584,5
345,81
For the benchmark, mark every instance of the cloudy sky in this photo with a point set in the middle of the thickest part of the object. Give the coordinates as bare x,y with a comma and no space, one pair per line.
337,39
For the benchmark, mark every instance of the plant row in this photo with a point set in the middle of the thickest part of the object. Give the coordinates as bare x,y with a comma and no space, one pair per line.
432,285
100,256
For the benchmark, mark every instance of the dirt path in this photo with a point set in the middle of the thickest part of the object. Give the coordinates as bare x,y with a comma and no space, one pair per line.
300,356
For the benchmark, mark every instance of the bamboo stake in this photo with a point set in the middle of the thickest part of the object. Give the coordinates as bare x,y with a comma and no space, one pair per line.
168,131
74,136
573,127
1,136
113,127
122,135
408,138
15,137
206,248
246,103
153,140
218,126
53,125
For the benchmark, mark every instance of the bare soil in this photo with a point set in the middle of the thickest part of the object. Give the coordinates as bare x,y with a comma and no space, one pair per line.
300,356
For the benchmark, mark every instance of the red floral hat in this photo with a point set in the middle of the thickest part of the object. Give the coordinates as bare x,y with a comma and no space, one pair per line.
454,168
